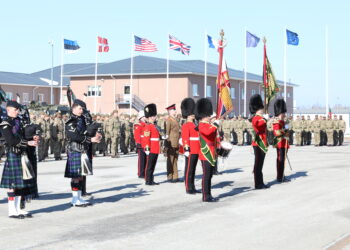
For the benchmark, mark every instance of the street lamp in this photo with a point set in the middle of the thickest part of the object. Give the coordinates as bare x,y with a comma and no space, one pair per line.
51,43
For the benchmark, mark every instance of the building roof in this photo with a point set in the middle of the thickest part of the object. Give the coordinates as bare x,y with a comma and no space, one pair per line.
21,79
145,65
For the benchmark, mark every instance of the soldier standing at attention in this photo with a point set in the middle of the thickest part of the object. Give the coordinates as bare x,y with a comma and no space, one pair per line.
323,122
297,126
330,131
291,130
107,131
239,131
152,143
172,144
57,136
45,136
280,140
128,132
342,128
139,140
115,133
308,130
303,131
260,144
207,136
316,129
336,129
226,129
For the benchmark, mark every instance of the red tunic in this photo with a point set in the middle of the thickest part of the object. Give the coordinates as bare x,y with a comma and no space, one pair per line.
151,138
138,133
190,137
278,131
208,133
259,126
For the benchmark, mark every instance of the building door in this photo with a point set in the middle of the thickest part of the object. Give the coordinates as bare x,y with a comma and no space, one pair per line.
127,95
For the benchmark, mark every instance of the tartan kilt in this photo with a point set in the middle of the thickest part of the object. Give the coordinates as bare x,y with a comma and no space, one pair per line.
31,192
12,176
73,165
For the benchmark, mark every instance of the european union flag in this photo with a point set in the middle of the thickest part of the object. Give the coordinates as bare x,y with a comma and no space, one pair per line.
71,45
251,40
292,38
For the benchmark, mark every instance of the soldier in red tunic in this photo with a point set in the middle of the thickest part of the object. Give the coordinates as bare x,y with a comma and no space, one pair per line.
259,141
207,139
190,141
139,140
152,143
281,138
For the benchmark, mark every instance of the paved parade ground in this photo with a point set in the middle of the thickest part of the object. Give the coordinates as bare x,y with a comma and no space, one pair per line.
311,212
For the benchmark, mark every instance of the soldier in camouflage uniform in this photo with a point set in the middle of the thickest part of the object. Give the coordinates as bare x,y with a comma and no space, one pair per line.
303,131
330,131
45,136
239,131
128,132
316,130
234,129
323,133
342,128
308,130
290,122
108,136
226,129
115,127
298,128
57,136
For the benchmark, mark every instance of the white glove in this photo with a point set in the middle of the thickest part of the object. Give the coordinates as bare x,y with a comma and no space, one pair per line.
147,152
217,122
164,137
286,126
187,154
266,116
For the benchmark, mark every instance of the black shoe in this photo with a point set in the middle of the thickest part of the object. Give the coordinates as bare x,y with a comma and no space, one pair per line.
28,215
211,199
197,191
148,183
86,194
191,192
154,183
263,186
285,179
142,177
21,216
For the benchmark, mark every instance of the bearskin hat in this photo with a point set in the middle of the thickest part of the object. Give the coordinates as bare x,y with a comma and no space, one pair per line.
255,103
187,107
203,108
280,107
150,110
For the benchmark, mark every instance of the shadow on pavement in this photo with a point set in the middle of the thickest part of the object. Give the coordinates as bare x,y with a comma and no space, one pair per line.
231,171
118,197
235,191
222,184
116,188
291,177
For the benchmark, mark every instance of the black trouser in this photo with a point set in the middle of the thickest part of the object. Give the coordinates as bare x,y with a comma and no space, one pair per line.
322,138
303,138
190,171
335,138
258,166
308,138
341,137
150,166
281,157
141,162
291,132
206,180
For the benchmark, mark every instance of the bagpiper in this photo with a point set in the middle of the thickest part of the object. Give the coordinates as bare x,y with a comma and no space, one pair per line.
207,137
17,168
280,141
139,140
79,141
259,141
190,142
152,143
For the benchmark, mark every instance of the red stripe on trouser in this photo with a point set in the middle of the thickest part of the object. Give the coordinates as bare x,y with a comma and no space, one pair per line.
203,178
146,167
188,171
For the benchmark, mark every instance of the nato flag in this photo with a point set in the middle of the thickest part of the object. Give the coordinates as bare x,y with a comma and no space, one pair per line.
251,40
292,38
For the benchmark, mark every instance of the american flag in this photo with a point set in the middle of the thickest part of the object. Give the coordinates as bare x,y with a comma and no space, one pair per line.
144,45
177,45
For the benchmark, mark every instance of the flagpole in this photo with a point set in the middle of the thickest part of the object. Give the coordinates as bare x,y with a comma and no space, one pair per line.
95,100
245,72
51,89
221,54
205,63
285,66
61,87
264,76
131,71
167,74
327,80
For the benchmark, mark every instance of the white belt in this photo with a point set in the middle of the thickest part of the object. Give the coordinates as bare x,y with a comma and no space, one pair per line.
154,139
194,138
142,136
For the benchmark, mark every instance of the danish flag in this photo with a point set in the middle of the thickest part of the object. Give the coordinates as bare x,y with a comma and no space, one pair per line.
102,44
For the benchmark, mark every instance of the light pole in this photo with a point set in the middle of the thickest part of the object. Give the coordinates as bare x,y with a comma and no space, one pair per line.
51,43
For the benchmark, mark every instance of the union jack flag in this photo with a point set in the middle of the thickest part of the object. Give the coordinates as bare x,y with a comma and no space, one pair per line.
176,44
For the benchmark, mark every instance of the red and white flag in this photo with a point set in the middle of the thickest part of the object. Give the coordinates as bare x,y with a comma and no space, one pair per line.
102,44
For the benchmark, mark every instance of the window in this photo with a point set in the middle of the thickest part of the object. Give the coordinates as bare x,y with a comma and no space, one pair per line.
232,92
9,95
253,91
288,95
25,97
209,91
195,89
92,90
40,97
127,90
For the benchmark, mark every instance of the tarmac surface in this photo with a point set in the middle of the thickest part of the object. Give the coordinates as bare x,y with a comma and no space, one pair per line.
310,212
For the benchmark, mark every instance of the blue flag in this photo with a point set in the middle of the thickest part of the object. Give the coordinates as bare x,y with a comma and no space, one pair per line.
71,45
292,38
251,40
211,42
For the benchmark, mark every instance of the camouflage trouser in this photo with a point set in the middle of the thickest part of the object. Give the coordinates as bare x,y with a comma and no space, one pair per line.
127,141
57,148
240,137
329,136
298,137
227,136
43,148
114,146
317,137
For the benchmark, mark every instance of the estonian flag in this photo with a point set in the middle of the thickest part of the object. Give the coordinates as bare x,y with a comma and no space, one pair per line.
212,43
292,38
71,45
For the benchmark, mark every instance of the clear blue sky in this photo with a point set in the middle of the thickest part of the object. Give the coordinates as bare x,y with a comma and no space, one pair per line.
27,26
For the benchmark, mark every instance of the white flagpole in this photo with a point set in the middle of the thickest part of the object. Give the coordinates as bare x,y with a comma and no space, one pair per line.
327,80
61,90
167,74
205,63
285,65
95,99
245,71
131,71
